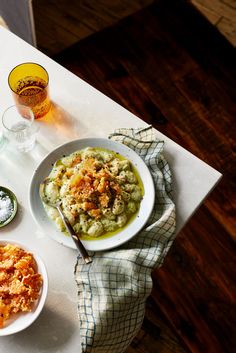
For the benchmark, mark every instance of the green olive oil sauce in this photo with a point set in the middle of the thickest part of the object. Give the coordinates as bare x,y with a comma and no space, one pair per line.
132,216
108,234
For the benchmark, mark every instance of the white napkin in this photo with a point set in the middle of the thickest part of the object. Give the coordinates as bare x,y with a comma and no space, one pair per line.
112,290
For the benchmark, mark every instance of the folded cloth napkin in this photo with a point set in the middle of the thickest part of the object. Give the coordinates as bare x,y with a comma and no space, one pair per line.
112,290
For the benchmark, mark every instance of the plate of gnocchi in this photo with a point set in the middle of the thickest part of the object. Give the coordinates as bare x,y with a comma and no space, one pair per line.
104,188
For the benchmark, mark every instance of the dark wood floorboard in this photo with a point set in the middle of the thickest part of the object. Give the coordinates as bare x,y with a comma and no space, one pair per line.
60,23
170,66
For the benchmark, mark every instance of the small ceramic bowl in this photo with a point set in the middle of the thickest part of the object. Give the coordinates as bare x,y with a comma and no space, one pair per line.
8,206
20,321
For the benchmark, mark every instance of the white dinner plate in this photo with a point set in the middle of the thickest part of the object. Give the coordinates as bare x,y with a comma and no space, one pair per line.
22,320
49,227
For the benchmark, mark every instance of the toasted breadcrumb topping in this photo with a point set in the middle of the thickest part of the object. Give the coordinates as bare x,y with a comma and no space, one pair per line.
20,283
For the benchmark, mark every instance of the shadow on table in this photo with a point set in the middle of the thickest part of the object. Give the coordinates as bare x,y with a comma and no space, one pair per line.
53,331
58,126
175,187
21,162
15,222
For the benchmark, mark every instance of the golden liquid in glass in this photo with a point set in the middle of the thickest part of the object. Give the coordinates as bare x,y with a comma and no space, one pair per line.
33,92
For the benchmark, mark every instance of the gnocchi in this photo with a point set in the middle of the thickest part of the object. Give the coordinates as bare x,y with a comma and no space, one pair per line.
99,191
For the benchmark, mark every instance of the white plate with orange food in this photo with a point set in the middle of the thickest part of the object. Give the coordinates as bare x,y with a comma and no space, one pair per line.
23,286
105,190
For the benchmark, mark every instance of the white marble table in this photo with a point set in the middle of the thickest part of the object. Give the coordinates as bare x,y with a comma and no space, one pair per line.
80,111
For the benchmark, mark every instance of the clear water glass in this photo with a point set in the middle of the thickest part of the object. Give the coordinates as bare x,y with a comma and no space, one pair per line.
18,127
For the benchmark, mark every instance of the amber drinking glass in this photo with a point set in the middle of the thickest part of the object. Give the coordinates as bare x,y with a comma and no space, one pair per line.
29,84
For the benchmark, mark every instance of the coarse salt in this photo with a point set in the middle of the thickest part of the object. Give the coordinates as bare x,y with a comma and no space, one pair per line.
6,207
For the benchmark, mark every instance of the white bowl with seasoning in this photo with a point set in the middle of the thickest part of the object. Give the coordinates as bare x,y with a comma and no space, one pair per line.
8,206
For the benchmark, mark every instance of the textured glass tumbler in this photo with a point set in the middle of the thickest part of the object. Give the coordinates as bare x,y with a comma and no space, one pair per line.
18,127
29,85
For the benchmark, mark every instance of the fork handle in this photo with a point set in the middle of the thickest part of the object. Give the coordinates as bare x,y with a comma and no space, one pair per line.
78,243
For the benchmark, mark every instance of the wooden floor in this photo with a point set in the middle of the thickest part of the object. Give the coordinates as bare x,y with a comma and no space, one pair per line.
58,25
222,14
170,66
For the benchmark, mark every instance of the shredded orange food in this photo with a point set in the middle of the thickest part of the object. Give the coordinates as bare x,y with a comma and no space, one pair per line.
94,189
20,283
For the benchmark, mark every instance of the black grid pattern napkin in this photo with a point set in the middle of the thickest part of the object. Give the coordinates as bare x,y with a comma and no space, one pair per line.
112,290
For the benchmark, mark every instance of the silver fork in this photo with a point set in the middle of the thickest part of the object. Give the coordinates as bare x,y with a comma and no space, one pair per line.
57,205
